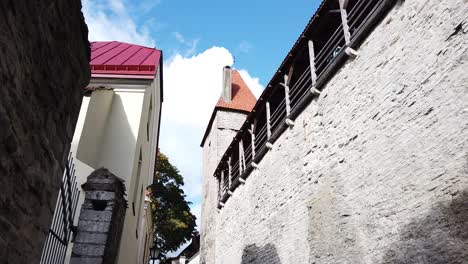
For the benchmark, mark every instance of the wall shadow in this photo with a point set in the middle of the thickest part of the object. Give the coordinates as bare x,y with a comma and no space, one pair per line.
440,237
120,140
260,255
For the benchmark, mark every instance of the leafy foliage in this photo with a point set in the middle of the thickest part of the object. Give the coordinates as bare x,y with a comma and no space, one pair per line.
173,221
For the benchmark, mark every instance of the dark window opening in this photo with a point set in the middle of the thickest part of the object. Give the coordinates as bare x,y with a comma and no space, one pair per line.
99,205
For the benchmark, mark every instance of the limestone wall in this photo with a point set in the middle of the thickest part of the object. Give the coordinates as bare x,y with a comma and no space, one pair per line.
44,55
375,170
224,127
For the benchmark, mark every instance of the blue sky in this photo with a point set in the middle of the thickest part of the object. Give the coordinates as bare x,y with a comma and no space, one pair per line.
198,38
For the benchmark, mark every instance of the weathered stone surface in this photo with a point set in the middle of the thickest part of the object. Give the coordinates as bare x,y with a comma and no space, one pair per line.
88,237
100,225
94,226
224,128
100,195
86,260
89,250
93,215
44,54
375,170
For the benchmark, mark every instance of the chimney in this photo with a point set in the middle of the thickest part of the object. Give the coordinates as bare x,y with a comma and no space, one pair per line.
227,84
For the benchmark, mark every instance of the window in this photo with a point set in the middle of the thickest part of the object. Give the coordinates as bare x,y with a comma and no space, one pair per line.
137,182
150,117
139,211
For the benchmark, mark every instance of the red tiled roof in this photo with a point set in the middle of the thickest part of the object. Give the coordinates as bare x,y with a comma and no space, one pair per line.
242,98
119,58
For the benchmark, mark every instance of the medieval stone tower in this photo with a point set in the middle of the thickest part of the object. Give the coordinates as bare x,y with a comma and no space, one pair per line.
229,114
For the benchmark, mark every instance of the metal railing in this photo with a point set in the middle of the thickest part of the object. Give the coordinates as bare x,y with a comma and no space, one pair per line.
326,61
62,228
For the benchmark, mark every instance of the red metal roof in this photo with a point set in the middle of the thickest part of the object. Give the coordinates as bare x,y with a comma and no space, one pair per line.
242,98
119,58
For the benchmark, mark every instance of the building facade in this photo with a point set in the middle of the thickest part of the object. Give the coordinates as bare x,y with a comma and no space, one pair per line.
356,150
118,129
235,103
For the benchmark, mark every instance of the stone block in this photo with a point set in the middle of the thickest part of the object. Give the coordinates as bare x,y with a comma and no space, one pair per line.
87,260
88,237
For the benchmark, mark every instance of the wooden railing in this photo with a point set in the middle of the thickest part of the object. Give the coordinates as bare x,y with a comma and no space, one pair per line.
285,98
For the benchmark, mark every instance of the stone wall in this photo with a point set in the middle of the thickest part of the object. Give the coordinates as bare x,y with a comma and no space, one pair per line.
375,169
101,219
224,127
44,54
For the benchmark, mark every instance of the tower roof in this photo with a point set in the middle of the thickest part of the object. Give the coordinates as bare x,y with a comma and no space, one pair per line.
242,98
119,58
242,101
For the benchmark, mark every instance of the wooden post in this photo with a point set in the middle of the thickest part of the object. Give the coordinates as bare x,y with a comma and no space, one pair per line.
288,121
286,95
253,140
344,21
267,105
222,182
313,73
229,172
241,157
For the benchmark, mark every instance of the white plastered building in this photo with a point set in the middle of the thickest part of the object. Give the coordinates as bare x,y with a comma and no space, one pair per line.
118,129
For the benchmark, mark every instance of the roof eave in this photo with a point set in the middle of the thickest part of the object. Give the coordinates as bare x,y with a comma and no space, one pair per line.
123,76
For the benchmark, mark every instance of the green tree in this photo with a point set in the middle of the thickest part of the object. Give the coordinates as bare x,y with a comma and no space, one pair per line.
173,221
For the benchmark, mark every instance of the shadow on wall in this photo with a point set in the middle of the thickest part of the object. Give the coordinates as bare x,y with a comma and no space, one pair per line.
440,237
260,255
119,142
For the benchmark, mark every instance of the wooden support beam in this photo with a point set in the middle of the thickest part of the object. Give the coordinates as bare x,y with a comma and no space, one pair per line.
290,73
345,3
315,91
351,52
267,106
222,180
289,122
254,165
241,180
313,73
269,145
222,204
241,157
286,95
344,21
230,193
229,172
252,136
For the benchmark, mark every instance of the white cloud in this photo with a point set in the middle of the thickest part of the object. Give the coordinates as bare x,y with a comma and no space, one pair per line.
189,45
252,82
111,20
192,86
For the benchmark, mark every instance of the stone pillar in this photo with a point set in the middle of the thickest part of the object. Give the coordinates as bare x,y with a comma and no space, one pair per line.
101,219
44,67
